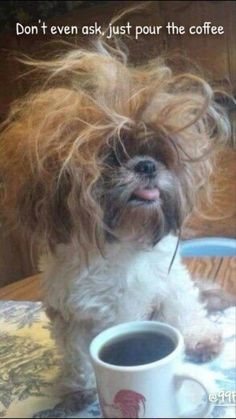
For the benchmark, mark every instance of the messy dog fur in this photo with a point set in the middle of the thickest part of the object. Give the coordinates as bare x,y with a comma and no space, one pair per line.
101,167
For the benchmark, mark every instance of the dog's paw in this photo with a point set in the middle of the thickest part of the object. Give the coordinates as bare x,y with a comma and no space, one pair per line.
74,402
70,405
203,343
50,413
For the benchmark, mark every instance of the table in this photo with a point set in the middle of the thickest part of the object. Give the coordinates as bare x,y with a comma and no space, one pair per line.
218,269
30,363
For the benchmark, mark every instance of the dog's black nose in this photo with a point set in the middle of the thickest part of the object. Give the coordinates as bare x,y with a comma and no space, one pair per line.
147,167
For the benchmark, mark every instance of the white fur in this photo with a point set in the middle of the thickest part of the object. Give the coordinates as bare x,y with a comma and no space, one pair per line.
125,284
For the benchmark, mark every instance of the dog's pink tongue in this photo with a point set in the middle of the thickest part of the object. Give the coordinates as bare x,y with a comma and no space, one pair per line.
148,194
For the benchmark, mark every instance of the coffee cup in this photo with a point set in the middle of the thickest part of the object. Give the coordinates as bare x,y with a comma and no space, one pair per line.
139,372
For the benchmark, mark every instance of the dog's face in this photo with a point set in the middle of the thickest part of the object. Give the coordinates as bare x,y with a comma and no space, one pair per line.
109,152
139,189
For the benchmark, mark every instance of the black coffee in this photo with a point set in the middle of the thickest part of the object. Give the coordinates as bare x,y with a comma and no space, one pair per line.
137,349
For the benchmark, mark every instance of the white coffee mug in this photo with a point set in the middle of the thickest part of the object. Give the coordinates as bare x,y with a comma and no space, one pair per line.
149,390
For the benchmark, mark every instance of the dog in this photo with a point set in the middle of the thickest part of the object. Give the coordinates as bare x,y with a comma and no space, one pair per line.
100,167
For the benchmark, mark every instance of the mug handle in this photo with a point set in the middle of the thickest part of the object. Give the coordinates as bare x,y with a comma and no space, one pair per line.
199,376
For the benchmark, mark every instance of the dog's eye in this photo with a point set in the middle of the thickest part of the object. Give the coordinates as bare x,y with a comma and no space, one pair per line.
113,159
161,158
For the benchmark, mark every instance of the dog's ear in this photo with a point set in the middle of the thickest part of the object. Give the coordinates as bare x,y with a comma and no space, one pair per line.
196,127
33,199
48,166
34,145
42,209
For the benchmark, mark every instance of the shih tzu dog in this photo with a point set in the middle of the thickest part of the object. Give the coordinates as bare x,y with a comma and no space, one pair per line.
101,166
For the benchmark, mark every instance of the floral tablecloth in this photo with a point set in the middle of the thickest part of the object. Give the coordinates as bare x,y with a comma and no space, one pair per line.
29,364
